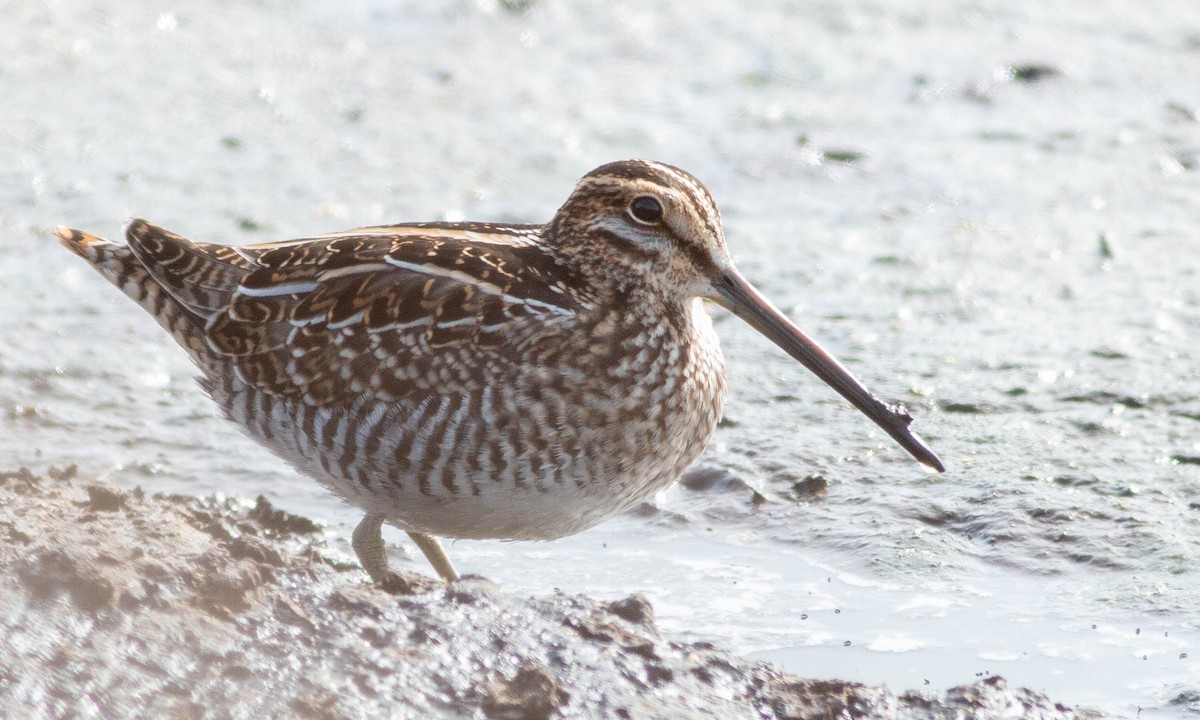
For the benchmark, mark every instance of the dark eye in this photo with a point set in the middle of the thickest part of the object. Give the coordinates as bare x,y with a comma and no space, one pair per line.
646,210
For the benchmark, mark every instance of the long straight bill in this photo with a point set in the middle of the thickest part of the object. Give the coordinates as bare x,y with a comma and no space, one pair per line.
740,297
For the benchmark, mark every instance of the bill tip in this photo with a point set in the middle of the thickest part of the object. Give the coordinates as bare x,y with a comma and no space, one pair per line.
932,465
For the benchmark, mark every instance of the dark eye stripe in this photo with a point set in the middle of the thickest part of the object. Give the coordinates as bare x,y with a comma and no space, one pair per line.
626,244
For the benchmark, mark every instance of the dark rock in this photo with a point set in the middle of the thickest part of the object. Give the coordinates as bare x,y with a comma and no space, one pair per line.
532,694
707,477
809,485
273,519
635,609
1033,72
105,498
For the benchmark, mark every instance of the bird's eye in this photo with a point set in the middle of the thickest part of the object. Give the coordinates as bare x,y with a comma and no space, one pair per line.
646,210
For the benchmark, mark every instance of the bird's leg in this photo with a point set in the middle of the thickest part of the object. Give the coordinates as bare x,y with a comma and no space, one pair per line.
367,542
435,554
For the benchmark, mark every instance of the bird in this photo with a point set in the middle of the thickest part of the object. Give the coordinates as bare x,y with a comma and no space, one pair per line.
470,379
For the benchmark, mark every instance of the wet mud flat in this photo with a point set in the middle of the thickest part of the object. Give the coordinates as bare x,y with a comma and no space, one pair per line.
119,604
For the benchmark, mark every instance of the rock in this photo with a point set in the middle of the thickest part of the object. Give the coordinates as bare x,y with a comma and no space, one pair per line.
635,609
532,694
103,497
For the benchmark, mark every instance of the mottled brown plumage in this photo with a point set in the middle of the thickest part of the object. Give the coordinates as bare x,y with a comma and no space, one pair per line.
469,379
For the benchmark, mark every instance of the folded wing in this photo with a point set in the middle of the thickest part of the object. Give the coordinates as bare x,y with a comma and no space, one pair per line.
386,314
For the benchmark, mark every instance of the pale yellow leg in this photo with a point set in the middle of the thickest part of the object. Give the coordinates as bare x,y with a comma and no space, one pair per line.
436,555
367,542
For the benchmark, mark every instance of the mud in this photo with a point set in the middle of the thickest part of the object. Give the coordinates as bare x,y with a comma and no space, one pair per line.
118,604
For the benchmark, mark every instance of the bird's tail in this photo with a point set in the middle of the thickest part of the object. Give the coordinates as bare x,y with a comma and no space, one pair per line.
115,262
134,276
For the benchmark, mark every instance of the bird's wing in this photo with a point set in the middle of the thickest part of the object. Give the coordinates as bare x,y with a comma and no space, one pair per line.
390,311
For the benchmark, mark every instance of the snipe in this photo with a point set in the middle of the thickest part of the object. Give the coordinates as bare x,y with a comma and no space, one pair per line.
475,380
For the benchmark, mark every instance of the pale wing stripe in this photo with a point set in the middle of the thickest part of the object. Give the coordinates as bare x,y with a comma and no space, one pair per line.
352,320
516,239
436,271
295,288
352,270
245,255
502,235
424,320
454,323
538,303
482,286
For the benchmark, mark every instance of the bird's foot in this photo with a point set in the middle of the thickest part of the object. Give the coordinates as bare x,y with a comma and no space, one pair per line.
395,583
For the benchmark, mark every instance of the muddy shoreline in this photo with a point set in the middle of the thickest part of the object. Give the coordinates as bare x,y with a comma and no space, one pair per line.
122,604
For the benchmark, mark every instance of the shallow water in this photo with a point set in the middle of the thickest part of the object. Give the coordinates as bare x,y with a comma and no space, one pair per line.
988,212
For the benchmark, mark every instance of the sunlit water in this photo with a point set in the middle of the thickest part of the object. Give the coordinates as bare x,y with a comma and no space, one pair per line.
989,212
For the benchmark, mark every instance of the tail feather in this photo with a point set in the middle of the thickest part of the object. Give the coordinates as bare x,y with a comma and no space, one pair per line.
115,262
122,267
201,276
